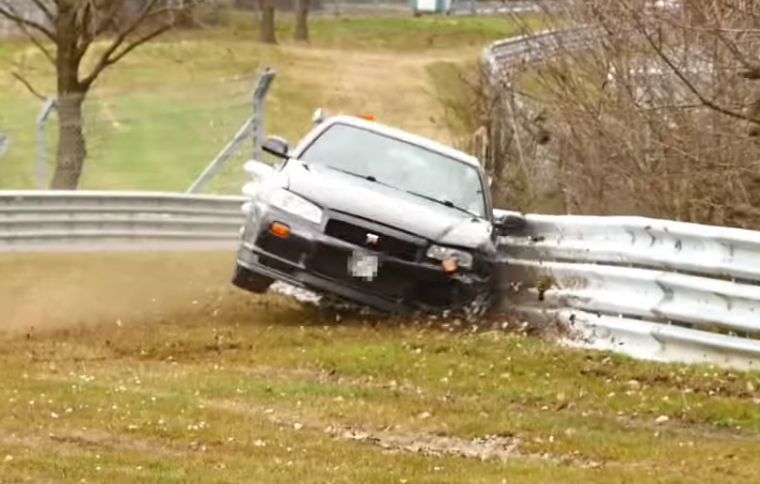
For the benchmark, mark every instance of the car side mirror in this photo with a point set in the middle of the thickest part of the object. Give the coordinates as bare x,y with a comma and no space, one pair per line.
277,146
507,224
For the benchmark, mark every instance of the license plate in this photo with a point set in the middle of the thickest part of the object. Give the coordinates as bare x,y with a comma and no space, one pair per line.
363,265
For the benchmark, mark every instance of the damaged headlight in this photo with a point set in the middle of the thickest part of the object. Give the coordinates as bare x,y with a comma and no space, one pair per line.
446,254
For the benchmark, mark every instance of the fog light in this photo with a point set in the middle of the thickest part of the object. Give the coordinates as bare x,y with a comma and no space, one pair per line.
280,230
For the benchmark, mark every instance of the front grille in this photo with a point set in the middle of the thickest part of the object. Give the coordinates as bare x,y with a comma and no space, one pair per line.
386,244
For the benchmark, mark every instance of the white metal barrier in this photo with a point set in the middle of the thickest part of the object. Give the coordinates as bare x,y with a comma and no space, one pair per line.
669,290
64,219
535,47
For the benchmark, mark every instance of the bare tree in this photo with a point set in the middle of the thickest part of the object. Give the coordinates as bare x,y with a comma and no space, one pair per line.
64,32
301,33
653,112
267,34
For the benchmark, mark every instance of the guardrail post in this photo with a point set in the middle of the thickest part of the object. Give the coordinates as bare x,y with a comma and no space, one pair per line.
41,169
257,135
253,127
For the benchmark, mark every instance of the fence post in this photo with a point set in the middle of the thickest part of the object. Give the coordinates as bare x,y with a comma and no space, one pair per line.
42,164
252,127
4,141
257,134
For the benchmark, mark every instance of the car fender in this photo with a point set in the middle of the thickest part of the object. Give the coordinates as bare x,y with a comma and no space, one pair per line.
258,169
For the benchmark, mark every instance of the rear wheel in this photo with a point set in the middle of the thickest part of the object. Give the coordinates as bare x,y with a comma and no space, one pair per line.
250,281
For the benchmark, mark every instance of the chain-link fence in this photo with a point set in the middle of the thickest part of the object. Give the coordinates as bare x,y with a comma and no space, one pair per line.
159,137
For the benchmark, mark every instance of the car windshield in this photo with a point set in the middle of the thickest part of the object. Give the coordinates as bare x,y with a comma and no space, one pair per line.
399,164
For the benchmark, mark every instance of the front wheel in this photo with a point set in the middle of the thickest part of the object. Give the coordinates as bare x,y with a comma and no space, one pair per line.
479,307
250,281
477,301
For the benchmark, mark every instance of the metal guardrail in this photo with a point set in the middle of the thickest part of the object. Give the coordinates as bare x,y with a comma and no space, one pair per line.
516,51
655,289
64,219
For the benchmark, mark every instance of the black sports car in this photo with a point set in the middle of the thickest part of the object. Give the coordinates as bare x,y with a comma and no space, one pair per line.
372,215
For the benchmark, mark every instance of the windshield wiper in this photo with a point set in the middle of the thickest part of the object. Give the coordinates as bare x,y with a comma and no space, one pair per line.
447,203
359,175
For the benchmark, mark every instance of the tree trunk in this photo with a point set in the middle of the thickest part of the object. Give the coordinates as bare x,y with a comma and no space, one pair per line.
267,33
302,21
72,146
72,149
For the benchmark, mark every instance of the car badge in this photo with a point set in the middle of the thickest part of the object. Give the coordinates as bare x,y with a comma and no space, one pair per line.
372,239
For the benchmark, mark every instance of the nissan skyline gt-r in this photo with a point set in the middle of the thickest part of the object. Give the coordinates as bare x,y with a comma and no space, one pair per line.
372,215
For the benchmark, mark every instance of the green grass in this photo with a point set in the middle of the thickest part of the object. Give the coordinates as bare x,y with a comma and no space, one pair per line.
156,119
167,374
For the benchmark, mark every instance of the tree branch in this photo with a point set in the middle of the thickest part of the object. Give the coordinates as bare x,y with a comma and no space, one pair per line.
113,55
45,10
688,84
38,43
10,14
28,86
25,26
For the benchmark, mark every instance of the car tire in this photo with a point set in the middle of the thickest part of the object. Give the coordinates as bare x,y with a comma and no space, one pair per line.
479,307
250,281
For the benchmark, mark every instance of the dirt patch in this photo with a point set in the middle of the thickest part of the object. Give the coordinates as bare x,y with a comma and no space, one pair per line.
91,439
489,447
394,87
500,447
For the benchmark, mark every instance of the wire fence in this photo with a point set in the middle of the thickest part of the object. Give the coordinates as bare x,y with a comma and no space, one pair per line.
157,137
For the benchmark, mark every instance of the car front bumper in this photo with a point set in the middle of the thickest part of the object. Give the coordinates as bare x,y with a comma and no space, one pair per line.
308,258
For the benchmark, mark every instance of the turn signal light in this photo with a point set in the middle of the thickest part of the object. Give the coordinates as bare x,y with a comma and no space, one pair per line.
449,265
280,230
368,117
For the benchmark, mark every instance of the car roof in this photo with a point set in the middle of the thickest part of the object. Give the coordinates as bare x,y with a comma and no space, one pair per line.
402,135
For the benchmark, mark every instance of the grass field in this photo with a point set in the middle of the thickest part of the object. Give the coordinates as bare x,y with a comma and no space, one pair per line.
157,118
165,374
151,368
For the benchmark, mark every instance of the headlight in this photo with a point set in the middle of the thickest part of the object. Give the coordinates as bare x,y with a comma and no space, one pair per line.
463,259
296,205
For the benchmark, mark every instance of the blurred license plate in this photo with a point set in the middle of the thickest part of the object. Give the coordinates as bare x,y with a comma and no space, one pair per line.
363,265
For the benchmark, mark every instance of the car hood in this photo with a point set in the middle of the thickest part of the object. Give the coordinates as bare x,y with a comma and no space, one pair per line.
335,190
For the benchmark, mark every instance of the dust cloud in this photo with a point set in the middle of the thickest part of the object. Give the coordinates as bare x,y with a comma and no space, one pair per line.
40,292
